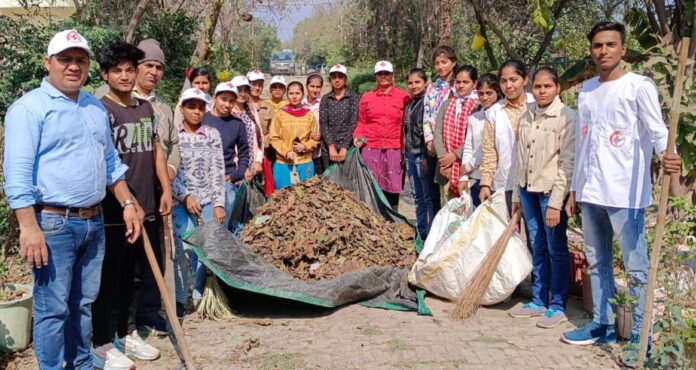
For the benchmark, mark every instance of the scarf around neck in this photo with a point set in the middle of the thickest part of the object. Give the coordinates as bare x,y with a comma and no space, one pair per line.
296,112
454,130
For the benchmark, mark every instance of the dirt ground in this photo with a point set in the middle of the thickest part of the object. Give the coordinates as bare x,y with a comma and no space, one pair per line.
276,334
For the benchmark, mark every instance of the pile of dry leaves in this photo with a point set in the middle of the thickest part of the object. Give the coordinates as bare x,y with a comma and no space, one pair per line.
318,230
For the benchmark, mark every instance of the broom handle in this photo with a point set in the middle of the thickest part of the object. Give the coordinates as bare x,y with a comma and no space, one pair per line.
662,208
168,305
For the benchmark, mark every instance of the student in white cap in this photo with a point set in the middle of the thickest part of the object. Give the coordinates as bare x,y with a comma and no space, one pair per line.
256,84
235,144
278,87
338,115
378,132
56,136
199,186
246,114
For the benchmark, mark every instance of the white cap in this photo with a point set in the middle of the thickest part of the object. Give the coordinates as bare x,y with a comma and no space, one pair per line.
384,66
65,40
339,68
255,75
193,93
239,81
278,80
226,86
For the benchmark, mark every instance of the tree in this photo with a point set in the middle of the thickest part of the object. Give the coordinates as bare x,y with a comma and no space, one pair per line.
133,24
445,33
202,53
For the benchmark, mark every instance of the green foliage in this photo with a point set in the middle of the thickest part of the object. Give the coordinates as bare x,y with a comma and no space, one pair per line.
542,14
624,299
252,48
676,336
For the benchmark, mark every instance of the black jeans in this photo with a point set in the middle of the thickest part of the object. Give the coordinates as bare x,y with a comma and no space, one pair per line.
117,292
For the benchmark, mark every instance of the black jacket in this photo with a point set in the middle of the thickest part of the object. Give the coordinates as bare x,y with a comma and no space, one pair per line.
413,126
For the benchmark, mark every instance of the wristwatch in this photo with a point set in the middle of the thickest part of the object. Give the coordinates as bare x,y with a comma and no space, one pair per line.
127,202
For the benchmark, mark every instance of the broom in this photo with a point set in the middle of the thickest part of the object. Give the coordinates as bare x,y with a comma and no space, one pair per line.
469,300
214,304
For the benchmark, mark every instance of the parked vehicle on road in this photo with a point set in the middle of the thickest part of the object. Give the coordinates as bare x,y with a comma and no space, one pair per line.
283,63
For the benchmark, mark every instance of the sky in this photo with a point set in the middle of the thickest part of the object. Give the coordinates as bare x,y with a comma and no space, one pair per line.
287,22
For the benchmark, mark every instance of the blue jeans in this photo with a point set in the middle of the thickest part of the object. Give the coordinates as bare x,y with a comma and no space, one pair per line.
422,184
600,223
230,194
65,289
183,223
281,173
550,257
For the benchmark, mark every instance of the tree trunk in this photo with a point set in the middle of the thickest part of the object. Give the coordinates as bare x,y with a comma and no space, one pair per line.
547,37
661,16
489,49
692,47
426,19
202,52
135,20
445,33
652,18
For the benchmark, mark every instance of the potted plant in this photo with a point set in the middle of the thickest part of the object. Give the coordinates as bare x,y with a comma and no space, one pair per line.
16,302
623,303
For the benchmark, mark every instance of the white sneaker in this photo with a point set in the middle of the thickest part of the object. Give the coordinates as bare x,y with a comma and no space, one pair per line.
109,358
134,346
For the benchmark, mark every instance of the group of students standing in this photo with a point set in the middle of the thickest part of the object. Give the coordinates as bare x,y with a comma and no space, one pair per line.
460,133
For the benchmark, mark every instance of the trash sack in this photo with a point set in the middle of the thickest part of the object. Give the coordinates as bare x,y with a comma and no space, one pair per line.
249,197
457,244
239,267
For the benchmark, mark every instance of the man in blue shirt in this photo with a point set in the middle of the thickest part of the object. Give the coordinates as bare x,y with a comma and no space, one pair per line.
59,159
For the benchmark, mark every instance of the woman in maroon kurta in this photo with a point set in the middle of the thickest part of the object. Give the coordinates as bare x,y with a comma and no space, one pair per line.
379,131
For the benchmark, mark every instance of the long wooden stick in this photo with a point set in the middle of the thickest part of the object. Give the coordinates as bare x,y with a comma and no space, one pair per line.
168,304
662,208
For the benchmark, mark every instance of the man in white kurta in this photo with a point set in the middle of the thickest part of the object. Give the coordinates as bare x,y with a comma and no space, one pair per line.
618,130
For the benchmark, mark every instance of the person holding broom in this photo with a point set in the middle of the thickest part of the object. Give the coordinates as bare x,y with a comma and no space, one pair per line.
500,132
291,137
619,128
135,138
545,150
198,189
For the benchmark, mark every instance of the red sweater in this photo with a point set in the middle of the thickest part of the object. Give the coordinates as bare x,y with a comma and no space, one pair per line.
380,118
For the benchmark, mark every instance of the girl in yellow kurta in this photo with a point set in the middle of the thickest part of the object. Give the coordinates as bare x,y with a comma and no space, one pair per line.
290,136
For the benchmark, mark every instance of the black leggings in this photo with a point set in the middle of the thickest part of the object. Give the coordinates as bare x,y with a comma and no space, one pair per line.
393,199
117,290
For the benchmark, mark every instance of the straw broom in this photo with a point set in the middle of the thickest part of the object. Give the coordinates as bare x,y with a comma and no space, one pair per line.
469,300
214,304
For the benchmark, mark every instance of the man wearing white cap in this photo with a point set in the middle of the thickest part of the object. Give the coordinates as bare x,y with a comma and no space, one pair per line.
338,115
59,159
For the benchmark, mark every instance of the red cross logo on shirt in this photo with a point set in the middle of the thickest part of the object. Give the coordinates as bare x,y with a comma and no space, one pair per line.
73,36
